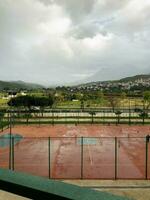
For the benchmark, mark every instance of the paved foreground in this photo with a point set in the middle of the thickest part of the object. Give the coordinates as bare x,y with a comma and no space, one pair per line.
134,189
9,196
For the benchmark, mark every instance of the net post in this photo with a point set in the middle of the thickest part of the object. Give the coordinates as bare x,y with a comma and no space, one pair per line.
82,157
116,158
49,157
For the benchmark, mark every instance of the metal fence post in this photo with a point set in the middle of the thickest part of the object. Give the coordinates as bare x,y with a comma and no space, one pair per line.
129,116
52,118
8,120
146,158
116,159
13,153
10,142
9,153
2,124
49,157
129,113
39,117
82,157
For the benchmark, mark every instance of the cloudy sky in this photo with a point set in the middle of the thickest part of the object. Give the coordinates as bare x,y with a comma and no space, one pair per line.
64,41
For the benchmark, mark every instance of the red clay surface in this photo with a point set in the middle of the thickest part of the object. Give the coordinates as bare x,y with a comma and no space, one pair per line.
31,154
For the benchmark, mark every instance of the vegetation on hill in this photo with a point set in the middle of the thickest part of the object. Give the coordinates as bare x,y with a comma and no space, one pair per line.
134,78
18,85
127,79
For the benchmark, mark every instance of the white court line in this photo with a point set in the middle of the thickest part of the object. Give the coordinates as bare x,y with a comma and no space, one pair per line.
90,155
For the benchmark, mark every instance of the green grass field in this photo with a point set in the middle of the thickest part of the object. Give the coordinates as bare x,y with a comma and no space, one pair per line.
3,103
134,102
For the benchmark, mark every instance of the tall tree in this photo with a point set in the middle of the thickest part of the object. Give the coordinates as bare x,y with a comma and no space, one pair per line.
113,101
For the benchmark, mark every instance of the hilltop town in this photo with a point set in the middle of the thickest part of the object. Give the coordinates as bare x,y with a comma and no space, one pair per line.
136,84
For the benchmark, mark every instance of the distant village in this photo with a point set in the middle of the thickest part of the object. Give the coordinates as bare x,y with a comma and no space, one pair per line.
135,86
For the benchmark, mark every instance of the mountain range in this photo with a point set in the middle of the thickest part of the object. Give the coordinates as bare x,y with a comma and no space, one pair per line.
115,74
17,85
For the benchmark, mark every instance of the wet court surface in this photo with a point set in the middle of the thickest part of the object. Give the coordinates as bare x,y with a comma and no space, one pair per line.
83,151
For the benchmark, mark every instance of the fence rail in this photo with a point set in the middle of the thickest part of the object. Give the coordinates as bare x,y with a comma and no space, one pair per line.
74,117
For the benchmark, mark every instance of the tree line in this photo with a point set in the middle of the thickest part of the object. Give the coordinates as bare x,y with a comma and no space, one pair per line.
31,101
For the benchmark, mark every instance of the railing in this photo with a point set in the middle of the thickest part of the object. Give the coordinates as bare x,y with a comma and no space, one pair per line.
77,157
55,117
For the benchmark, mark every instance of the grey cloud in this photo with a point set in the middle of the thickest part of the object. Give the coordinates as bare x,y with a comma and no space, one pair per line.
84,30
74,8
131,21
61,41
90,28
107,7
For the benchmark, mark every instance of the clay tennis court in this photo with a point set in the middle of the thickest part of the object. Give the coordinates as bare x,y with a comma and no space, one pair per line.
79,151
